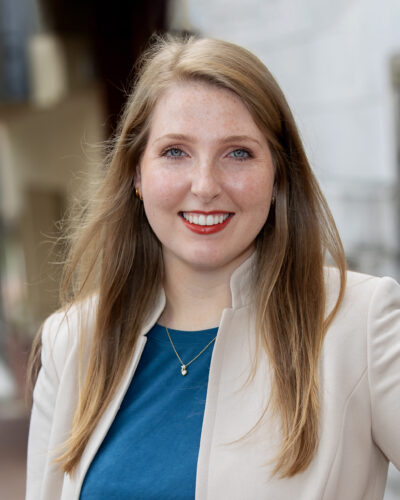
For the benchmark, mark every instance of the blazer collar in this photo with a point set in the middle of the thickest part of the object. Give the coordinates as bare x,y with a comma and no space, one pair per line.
241,283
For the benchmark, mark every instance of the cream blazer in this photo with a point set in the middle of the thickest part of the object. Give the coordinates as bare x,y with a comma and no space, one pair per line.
360,419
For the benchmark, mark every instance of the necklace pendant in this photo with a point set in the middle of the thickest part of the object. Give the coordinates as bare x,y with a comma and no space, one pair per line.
183,370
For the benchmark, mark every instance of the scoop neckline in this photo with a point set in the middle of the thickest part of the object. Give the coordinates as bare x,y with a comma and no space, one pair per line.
182,337
174,330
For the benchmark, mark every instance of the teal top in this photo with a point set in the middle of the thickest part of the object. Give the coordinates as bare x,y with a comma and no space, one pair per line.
151,448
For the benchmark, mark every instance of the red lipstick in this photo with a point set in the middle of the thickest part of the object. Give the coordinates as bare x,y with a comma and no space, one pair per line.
215,228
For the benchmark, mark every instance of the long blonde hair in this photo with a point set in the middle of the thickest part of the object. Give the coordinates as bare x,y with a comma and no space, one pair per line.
115,254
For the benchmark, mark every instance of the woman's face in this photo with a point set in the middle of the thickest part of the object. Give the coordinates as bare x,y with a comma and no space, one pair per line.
206,177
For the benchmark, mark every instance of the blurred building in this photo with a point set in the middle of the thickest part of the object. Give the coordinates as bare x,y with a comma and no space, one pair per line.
65,70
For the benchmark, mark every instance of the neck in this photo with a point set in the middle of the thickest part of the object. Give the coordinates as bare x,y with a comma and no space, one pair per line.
195,297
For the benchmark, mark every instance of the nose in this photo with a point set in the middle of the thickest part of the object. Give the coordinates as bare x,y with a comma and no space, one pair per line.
206,183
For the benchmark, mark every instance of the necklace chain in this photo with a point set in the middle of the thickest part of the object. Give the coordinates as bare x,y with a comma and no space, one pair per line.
185,365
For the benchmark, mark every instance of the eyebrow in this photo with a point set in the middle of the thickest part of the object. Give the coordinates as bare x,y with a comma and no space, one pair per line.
175,137
230,138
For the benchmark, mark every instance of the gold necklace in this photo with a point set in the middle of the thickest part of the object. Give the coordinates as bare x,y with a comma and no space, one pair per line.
185,365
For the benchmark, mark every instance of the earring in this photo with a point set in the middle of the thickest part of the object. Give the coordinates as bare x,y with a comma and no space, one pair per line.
139,194
273,199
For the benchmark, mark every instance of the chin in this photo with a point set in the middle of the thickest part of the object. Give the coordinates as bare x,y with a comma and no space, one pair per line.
213,263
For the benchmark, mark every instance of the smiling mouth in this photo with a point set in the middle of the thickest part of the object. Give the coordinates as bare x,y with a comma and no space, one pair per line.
206,219
205,223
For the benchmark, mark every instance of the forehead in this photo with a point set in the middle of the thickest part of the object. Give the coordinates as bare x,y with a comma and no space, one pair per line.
196,107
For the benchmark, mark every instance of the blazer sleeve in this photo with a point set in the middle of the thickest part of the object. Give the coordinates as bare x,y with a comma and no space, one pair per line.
44,400
384,367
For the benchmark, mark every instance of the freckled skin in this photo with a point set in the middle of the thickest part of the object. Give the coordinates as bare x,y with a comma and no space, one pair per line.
203,172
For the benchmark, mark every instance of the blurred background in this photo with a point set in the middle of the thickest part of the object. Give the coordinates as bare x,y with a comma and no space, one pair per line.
65,68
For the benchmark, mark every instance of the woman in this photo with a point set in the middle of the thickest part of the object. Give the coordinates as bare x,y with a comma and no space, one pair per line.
206,352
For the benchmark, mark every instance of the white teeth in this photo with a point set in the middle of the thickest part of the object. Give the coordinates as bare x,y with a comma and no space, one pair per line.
203,220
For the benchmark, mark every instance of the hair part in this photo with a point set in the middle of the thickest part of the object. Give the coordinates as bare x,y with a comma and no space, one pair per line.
115,254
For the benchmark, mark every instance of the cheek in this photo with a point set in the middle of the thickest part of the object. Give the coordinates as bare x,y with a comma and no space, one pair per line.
253,191
162,191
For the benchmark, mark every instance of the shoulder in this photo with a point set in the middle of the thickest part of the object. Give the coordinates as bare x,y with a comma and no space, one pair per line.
63,331
368,319
370,308
361,291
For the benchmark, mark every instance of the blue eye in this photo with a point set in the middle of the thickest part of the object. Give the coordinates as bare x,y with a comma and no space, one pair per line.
174,153
240,154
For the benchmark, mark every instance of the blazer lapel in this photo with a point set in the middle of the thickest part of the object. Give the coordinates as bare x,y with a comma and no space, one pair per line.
75,484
